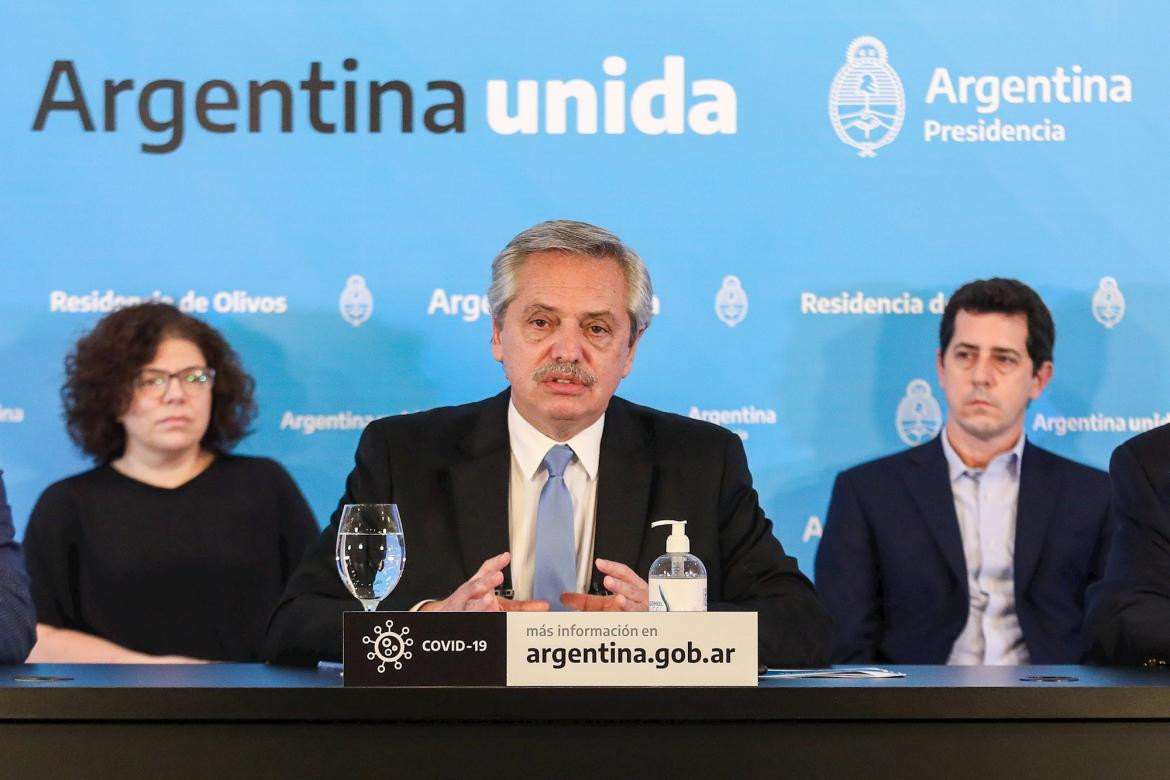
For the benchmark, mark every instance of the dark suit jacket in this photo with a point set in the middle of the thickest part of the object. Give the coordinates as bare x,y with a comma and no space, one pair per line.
1128,620
448,471
890,567
17,618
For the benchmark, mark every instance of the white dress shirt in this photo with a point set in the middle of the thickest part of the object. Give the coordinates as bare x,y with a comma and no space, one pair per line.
985,502
529,446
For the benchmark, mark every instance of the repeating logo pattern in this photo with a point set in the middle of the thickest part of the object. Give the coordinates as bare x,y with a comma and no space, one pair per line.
1108,302
731,302
389,646
356,303
919,417
866,102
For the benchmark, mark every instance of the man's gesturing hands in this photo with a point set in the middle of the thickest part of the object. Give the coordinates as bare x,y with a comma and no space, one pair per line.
630,593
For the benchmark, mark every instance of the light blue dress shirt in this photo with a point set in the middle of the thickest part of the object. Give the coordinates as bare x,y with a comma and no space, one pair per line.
986,501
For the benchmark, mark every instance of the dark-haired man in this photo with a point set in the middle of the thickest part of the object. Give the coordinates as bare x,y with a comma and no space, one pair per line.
977,547
17,622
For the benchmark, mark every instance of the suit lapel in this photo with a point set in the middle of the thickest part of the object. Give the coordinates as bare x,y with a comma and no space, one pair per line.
625,475
479,488
929,482
1039,488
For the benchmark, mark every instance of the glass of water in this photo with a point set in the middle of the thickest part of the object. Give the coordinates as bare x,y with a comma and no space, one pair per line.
371,552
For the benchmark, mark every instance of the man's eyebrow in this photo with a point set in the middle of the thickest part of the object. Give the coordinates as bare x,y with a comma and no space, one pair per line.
534,307
537,307
996,350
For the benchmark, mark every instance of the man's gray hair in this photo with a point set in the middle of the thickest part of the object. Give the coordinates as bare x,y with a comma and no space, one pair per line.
578,238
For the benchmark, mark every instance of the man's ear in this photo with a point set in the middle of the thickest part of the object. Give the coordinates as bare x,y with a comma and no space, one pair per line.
630,356
497,344
1041,378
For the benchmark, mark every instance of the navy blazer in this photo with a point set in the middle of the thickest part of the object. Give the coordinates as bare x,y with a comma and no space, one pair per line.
890,567
1129,610
17,619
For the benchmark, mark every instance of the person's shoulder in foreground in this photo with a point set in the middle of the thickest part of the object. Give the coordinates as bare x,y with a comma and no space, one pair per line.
1128,618
17,619
439,428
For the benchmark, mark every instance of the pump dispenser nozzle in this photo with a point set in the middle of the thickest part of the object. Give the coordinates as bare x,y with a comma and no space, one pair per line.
677,542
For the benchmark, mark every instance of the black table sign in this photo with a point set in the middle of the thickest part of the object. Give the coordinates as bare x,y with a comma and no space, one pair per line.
413,649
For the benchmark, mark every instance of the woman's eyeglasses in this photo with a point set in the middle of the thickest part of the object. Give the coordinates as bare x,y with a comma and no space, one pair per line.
193,380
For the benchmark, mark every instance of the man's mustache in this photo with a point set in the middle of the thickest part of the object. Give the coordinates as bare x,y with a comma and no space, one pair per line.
571,371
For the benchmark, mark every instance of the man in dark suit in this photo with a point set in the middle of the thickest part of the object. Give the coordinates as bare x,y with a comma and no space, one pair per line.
17,619
977,547
1128,620
481,487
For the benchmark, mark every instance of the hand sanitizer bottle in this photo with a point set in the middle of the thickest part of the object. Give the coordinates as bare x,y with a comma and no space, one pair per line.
678,580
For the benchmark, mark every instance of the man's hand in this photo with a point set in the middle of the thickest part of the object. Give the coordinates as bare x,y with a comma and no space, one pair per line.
478,594
630,592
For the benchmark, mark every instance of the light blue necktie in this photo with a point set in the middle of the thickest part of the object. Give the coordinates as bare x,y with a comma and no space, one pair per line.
556,550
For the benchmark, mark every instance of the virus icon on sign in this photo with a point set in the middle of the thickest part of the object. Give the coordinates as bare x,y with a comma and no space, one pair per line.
390,647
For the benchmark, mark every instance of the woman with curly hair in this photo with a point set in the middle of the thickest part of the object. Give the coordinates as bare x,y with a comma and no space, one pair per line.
171,549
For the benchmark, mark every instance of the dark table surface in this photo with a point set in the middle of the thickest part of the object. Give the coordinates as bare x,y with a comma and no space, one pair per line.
247,692
229,720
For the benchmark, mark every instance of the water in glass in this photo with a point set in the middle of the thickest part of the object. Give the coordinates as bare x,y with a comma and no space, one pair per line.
371,551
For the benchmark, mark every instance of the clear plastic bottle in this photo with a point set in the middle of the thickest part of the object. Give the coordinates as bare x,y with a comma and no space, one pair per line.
678,580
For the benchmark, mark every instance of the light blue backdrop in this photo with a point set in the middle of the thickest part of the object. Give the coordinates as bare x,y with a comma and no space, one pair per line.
776,199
